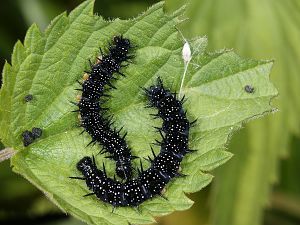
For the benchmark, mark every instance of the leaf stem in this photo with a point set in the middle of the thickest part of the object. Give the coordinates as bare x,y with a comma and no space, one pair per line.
7,153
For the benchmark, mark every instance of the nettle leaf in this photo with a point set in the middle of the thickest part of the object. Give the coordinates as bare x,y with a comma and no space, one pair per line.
48,65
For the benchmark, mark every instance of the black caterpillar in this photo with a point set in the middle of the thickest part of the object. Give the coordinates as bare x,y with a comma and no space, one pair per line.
164,166
92,113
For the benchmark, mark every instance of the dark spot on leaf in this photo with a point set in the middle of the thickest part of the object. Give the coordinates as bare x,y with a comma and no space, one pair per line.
28,98
36,132
27,138
249,89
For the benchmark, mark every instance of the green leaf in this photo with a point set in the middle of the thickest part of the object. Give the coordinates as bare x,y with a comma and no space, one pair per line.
48,65
256,29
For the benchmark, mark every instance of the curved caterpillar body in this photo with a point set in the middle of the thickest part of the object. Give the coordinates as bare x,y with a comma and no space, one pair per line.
164,166
92,113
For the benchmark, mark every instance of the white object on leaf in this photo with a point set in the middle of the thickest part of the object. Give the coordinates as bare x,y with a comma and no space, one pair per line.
186,56
186,52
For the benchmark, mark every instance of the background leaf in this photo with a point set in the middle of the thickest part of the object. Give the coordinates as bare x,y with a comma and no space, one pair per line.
48,65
